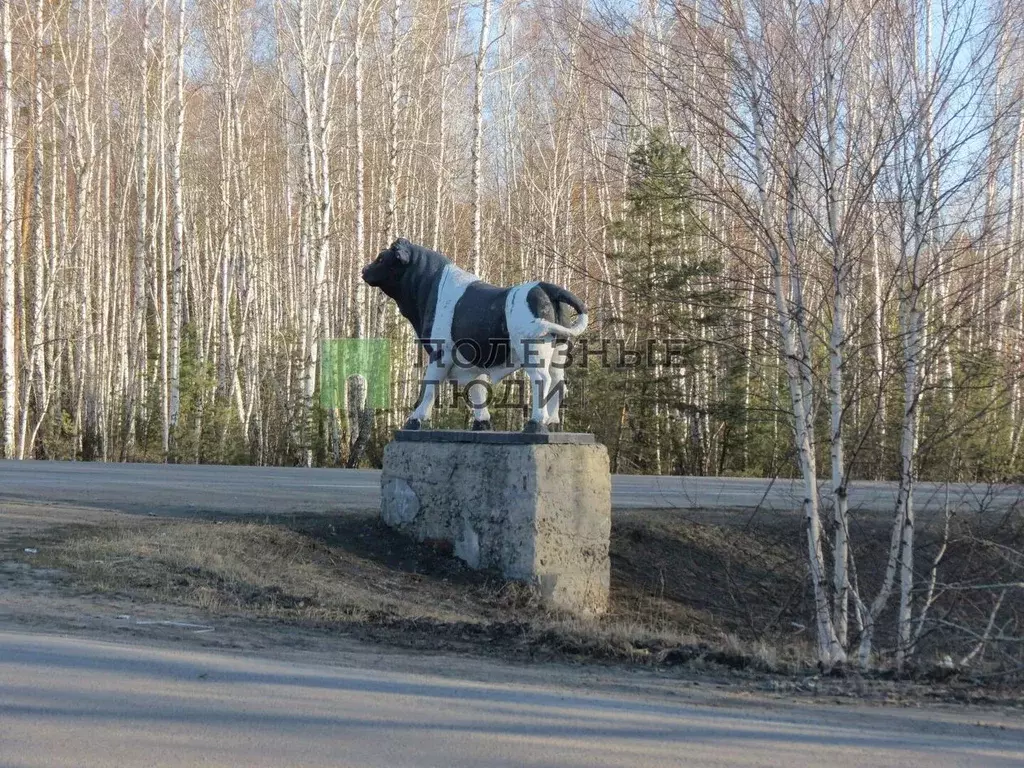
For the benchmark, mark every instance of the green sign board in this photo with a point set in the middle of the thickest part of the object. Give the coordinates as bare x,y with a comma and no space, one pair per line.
344,359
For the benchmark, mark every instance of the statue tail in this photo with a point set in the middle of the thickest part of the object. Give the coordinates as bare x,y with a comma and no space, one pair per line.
562,298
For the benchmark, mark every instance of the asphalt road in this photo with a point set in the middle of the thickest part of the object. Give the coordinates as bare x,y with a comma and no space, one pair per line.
68,702
189,489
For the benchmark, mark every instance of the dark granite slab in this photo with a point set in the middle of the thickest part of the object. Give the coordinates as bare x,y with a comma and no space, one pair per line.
492,438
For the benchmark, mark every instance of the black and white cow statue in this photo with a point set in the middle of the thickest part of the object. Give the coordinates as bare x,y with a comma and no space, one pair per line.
477,333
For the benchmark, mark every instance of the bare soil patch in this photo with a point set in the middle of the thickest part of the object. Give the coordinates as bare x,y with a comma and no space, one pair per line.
694,598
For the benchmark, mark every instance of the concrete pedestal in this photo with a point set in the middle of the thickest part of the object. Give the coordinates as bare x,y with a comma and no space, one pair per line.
535,507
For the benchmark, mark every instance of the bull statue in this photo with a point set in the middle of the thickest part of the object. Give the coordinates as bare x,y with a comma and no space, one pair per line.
477,333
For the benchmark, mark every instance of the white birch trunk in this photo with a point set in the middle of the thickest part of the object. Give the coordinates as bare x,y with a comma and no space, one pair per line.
359,308
35,378
913,329
177,236
391,211
137,351
8,373
478,133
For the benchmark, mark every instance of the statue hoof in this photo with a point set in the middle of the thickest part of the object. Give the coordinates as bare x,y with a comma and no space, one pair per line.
481,426
412,424
535,428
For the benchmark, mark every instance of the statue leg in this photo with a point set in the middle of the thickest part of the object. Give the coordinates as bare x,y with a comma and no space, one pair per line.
478,392
540,385
433,380
559,354
554,404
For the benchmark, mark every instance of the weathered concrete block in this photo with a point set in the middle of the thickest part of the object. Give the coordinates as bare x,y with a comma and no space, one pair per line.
537,512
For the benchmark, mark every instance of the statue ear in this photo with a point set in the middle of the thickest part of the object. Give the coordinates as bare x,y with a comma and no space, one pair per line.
402,249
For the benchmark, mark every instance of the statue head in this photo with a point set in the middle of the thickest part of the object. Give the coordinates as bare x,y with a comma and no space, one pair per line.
387,270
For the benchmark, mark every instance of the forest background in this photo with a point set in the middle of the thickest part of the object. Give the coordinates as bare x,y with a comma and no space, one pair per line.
821,202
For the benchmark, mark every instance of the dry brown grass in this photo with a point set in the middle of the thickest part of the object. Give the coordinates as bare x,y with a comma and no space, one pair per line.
683,592
262,569
355,576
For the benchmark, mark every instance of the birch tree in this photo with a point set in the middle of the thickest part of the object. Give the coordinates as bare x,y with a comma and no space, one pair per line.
478,132
177,237
35,392
8,373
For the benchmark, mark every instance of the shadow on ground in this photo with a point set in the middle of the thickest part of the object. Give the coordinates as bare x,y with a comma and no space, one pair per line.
729,595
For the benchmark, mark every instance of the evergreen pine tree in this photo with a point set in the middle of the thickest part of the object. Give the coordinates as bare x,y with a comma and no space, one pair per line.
672,291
